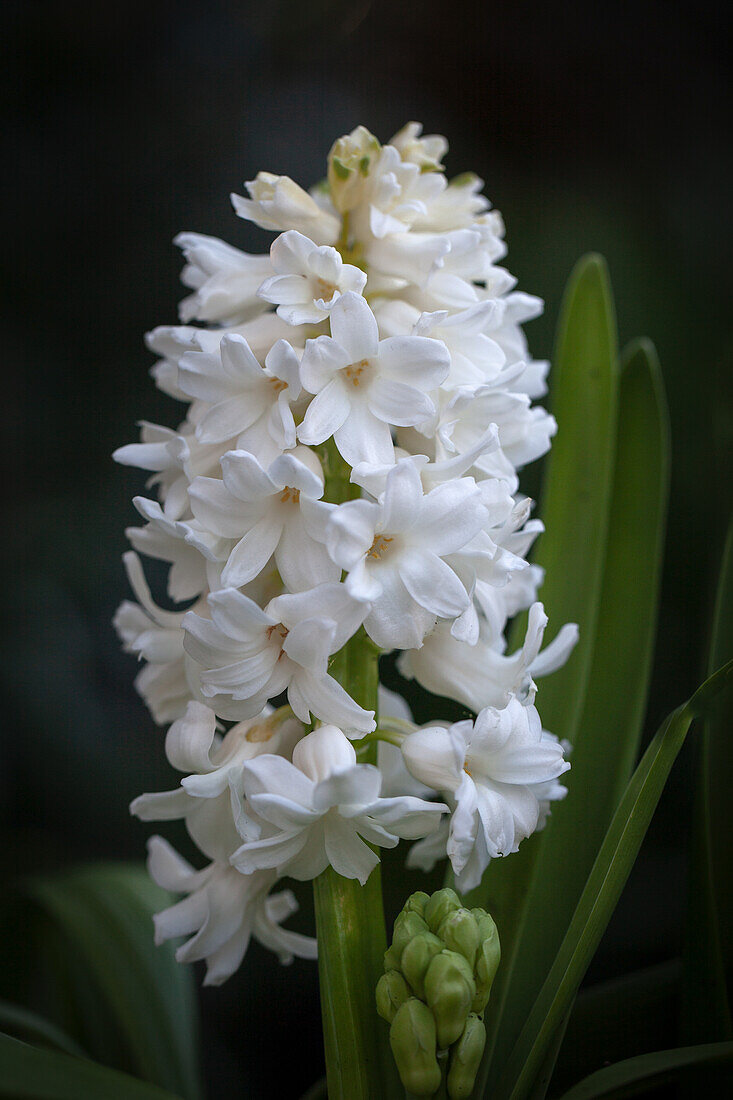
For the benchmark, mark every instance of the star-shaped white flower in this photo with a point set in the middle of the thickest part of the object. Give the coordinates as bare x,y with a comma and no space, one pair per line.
394,552
223,279
269,511
248,655
480,675
208,798
221,912
364,385
321,809
489,767
308,279
246,401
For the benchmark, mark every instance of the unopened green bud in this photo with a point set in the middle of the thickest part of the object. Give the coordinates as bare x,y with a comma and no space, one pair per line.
349,163
487,961
412,1038
416,903
449,991
392,992
406,927
465,1059
416,958
459,932
439,906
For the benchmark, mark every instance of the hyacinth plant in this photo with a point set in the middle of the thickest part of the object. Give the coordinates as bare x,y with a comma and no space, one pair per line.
344,485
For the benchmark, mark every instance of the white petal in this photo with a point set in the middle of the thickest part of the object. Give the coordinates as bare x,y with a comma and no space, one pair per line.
397,403
189,740
354,327
433,584
363,438
252,553
324,751
435,757
326,413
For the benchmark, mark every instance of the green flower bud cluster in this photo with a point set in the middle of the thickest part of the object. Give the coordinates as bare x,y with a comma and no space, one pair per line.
436,984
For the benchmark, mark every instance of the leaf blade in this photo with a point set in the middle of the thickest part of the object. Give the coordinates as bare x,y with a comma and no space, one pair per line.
32,1074
646,1071
607,738
104,914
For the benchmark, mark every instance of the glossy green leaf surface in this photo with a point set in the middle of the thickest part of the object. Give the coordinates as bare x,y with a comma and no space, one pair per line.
27,1073
705,1010
607,737
574,508
639,1075
602,891
120,982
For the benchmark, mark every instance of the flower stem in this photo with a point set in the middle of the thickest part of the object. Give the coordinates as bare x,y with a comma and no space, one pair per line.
350,917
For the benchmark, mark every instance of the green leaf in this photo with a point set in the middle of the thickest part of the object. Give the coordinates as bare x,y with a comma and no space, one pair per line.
122,987
574,508
705,1011
647,1071
602,891
21,1023
27,1073
607,738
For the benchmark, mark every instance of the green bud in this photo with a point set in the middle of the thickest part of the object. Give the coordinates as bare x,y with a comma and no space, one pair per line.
416,958
392,992
439,906
350,161
487,961
465,1058
412,1038
416,903
449,992
406,927
459,932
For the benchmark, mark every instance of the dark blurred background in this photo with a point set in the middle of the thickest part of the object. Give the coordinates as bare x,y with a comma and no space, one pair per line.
601,128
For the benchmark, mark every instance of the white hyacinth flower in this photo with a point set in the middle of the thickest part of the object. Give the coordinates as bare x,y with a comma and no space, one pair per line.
212,765
224,280
322,807
364,385
269,511
394,553
245,401
489,767
309,279
480,675
247,655
221,912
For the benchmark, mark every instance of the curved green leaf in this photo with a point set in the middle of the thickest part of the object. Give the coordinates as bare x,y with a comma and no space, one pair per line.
607,738
647,1071
574,507
27,1073
123,987
20,1023
705,1011
602,891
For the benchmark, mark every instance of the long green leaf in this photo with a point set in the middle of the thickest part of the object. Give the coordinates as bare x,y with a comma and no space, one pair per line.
705,1011
29,1027
574,507
27,1073
103,915
647,1071
607,738
602,891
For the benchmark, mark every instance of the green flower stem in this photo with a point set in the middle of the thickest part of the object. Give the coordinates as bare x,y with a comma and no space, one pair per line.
350,917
